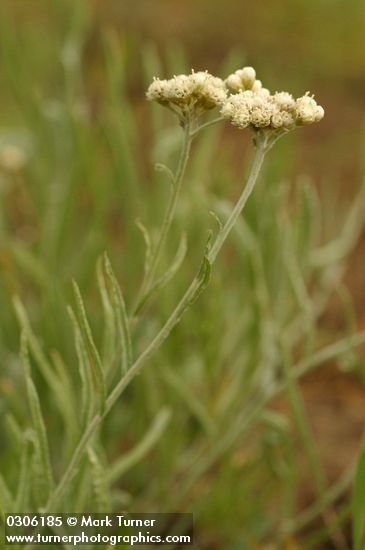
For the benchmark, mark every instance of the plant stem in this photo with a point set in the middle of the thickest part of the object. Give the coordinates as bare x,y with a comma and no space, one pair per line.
206,125
161,336
236,212
170,210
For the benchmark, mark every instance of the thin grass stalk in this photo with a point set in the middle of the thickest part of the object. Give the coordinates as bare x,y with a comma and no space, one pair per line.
328,513
245,421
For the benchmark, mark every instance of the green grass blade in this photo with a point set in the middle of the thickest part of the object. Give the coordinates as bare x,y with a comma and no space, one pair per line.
30,265
6,499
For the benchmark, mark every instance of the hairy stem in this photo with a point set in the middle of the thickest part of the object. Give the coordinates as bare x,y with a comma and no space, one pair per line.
206,125
236,212
170,211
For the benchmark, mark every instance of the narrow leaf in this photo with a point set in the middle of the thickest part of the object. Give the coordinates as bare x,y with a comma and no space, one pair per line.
167,276
92,352
159,167
139,452
87,387
57,379
217,219
109,318
100,481
68,402
41,442
44,365
23,490
122,318
148,245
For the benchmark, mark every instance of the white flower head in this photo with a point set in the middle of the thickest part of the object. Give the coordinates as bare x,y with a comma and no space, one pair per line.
237,110
189,95
308,111
248,108
253,106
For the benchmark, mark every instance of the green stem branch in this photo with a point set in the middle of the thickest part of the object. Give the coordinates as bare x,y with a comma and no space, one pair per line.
170,210
206,125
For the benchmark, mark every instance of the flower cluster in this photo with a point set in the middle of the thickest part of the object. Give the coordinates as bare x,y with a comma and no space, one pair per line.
190,94
241,98
262,109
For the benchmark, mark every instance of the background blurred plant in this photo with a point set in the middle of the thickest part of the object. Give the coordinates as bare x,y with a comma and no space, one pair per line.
215,445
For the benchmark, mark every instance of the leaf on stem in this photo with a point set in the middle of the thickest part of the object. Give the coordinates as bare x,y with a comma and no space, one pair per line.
121,316
160,167
99,480
205,270
88,397
35,347
23,490
216,217
57,382
167,276
139,452
68,399
42,462
89,346
109,336
148,244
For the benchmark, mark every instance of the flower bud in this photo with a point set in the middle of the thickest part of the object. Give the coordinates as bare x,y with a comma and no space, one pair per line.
248,76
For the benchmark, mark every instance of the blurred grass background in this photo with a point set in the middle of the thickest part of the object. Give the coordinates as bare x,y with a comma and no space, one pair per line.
72,83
